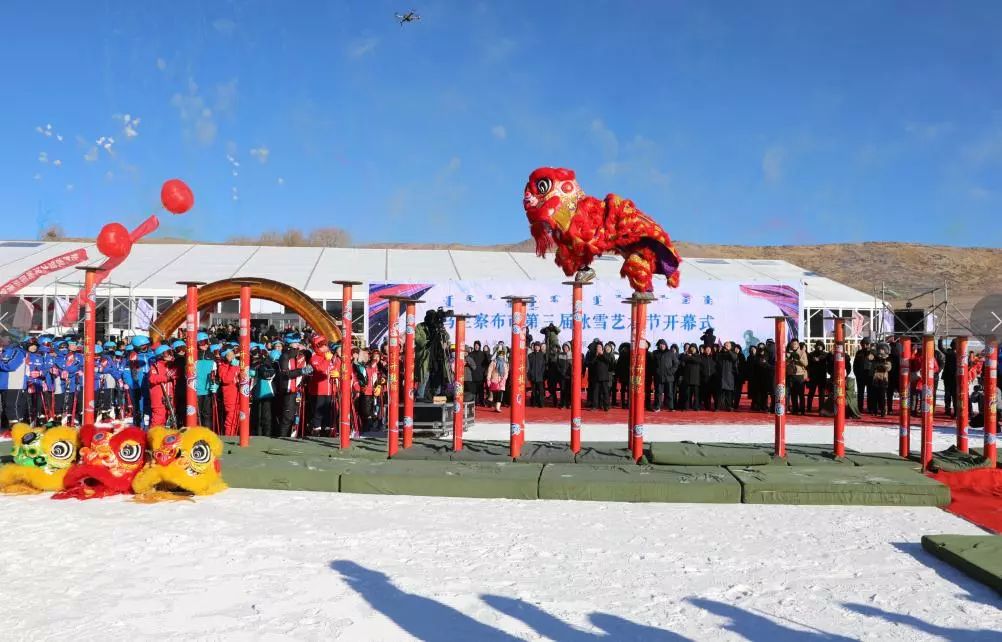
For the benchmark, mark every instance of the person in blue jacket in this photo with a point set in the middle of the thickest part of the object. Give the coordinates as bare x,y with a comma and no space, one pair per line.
206,384
137,380
12,376
37,385
71,378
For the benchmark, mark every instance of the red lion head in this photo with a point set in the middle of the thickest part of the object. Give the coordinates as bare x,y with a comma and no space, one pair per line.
109,460
550,199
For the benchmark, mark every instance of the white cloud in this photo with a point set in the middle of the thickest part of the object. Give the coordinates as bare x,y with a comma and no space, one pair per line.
91,155
261,153
605,138
499,132
362,46
772,163
161,64
929,131
224,26
499,49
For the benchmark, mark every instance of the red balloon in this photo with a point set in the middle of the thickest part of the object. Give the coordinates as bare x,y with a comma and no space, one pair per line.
176,196
114,241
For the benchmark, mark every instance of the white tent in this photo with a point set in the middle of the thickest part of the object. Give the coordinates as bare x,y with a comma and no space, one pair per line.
152,271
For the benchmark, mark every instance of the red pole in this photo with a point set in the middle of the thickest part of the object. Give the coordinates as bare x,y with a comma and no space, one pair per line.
577,314
458,420
928,359
517,436
960,398
839,440
90,332
904,389
346,365
991,374
631,413
410,323
779,381
245,313
639,397
191,339
393,381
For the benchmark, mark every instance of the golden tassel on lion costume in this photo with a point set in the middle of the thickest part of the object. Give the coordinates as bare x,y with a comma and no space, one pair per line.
184,463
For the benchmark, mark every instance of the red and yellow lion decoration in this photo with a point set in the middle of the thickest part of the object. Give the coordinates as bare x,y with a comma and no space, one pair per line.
581,228
109,460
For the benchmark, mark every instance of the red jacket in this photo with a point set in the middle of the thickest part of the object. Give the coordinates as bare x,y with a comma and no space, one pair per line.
229,378
162,377
326,372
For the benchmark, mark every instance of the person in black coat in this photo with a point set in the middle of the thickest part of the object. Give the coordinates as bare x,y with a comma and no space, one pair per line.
664,363
708,379
601,368
692,374
862,365
817,375
622,370
765,370
727,374
749,375
535,371
557,365
478,373
593,351
949,373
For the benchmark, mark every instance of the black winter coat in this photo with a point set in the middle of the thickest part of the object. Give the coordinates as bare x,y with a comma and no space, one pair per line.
664,363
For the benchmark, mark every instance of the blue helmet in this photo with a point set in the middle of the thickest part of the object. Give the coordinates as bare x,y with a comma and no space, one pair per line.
119,353
161,350
140,341
215,347
130,348
202,337
97,348
275,355
178,344
109,344
44,340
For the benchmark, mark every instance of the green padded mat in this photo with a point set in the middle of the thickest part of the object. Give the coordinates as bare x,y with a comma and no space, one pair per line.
687,453
633,483
952,460
444,479
882,459
610,453
814,455
979,556
839,485
284,473
981,453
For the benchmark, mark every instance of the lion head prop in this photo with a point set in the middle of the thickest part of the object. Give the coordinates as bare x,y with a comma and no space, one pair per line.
109,461
183,463
41,459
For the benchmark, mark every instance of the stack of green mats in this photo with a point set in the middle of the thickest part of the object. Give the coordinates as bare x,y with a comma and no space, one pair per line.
952,460
633,483
839,485
979,556
443,479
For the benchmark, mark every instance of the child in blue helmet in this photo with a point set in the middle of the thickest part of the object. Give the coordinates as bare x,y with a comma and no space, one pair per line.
12,375
138,380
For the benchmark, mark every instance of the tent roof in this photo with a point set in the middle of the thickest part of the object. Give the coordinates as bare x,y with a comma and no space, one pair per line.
154,269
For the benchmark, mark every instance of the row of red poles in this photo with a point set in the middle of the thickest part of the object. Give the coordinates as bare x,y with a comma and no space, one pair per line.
904,388
638,375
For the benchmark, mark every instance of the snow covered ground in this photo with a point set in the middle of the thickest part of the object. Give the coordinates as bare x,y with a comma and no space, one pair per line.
297,565
865,438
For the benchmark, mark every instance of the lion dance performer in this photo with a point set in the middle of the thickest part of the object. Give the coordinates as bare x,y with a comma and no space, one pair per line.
581,228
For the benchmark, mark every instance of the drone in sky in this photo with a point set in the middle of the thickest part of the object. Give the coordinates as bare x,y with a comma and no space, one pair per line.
410,16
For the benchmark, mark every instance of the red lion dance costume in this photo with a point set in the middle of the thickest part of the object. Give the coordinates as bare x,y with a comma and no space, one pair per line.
109,461
583,227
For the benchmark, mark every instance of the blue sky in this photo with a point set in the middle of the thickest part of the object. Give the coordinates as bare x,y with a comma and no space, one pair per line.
730,122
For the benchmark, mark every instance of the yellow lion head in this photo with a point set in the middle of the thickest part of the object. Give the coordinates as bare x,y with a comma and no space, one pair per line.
41,459
182,462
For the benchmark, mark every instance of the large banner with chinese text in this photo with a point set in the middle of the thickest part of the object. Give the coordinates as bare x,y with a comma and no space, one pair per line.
736,311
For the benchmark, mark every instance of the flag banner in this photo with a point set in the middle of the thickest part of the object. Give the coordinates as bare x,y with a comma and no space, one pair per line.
828,323
59,307
23,313
26,278
737,312
144,315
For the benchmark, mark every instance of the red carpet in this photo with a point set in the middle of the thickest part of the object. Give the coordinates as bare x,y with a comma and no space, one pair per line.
976,496
551,415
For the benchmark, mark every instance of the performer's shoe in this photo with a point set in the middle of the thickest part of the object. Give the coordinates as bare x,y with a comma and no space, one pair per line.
586,275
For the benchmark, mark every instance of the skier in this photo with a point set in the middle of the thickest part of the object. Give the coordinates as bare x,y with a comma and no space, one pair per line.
12,375
205,385
162,378
139,386
292,366
229,380
321,385
36,384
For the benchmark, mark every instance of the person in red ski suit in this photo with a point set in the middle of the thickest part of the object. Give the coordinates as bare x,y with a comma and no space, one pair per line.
321,388
229,382
162,377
